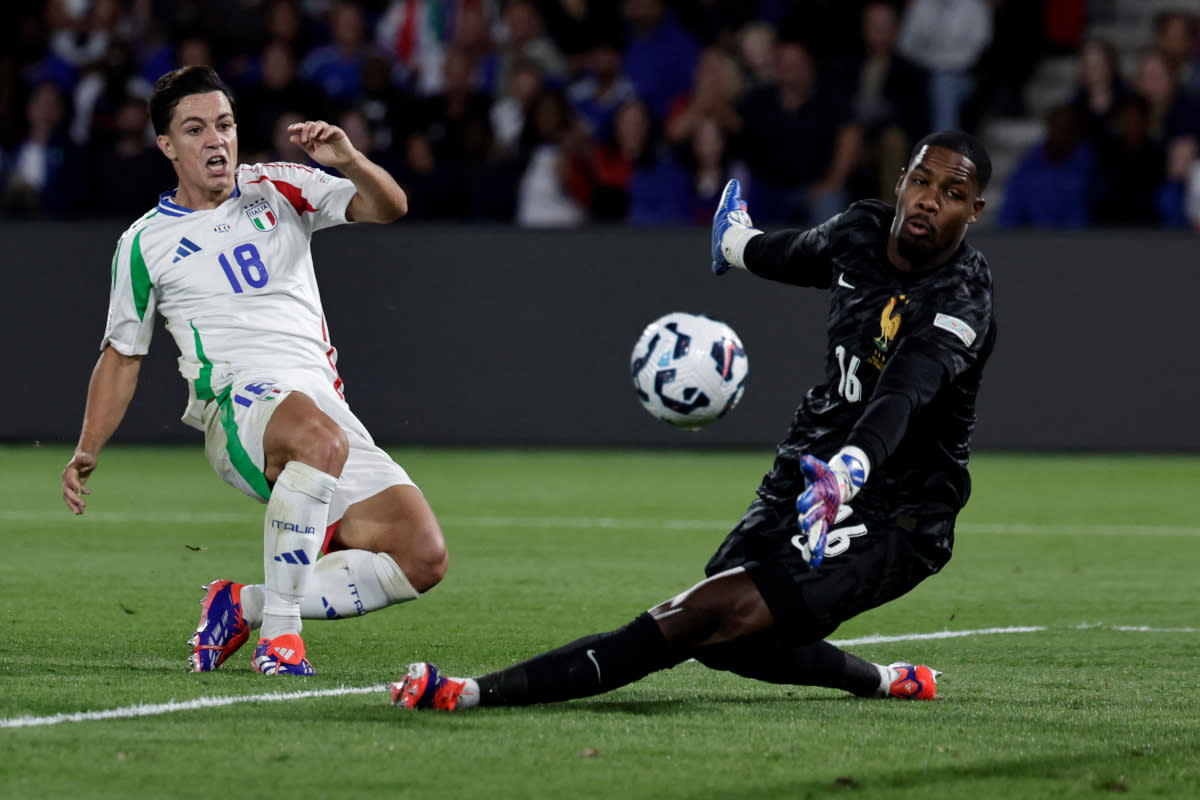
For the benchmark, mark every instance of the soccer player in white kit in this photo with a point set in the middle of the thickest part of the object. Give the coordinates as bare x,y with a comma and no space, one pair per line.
225,259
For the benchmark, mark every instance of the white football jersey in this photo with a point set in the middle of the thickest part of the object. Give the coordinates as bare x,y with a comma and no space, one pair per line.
234,283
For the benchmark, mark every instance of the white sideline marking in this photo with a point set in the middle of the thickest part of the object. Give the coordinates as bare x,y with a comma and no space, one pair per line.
916,637
155,709
538,523
1142,629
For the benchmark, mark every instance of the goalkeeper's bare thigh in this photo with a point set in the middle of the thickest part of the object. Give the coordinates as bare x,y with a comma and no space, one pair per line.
868,562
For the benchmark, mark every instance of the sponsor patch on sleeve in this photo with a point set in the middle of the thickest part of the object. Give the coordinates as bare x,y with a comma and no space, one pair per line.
956,326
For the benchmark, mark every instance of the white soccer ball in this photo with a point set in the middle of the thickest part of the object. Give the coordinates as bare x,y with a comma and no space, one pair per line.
689,369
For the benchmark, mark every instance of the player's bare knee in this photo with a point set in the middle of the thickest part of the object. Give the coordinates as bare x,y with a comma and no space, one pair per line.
425,559
320,443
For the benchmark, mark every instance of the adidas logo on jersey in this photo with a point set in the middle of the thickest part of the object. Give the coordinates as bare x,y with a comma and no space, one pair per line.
185,249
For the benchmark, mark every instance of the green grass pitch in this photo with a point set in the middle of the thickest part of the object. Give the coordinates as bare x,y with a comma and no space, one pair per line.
1099,556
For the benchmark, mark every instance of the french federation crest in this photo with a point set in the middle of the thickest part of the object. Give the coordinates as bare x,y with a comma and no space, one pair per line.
262,215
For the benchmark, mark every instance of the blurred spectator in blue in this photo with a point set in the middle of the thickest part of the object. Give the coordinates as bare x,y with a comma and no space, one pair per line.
1173,196
102,92
45,173
472,36
715,92
280,89
1100,90
511,109
660,54
1131,168
946,38
636,178
890,96
712,165
525,37
129,168
799,141
1052,186
337,67
554,185
602,89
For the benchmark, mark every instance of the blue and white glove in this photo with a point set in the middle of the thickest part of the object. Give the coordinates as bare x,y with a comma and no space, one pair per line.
731,230
828,487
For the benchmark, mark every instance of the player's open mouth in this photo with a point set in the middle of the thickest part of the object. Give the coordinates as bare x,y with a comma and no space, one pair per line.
918,227
216,165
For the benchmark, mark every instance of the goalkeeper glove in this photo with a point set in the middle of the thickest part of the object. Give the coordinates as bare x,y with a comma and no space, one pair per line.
827,487
730,230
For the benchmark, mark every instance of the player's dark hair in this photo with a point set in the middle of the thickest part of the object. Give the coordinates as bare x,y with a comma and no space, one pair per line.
178,84
964,144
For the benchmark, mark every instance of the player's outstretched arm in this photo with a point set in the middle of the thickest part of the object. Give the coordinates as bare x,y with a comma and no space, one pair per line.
793,256
379,198
109,392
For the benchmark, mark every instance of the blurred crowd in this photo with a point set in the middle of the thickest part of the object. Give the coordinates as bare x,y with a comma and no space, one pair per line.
1123,148
561,112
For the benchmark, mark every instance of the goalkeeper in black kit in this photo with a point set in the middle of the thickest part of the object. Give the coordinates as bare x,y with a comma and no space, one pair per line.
859,506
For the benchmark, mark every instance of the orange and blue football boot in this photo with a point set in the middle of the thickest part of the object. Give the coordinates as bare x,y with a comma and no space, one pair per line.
913,681
424,687
283,655
222,629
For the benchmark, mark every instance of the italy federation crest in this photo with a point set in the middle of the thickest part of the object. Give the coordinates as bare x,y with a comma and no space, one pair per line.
262,215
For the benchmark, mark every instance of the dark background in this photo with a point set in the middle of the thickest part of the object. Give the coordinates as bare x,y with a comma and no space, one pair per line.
498,336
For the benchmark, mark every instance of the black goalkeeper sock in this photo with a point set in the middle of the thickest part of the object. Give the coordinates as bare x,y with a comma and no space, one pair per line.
585,667
770,657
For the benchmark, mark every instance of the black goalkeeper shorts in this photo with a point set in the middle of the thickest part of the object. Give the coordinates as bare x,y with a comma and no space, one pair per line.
869,561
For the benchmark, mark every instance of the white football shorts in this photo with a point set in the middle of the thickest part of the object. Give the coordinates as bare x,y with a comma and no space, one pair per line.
234,425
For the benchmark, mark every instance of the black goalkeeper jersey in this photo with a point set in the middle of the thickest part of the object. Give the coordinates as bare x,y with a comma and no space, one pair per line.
905,358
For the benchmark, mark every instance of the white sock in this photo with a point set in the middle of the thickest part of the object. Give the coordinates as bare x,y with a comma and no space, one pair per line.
292,535
347,583
470,694
733,243
886,676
